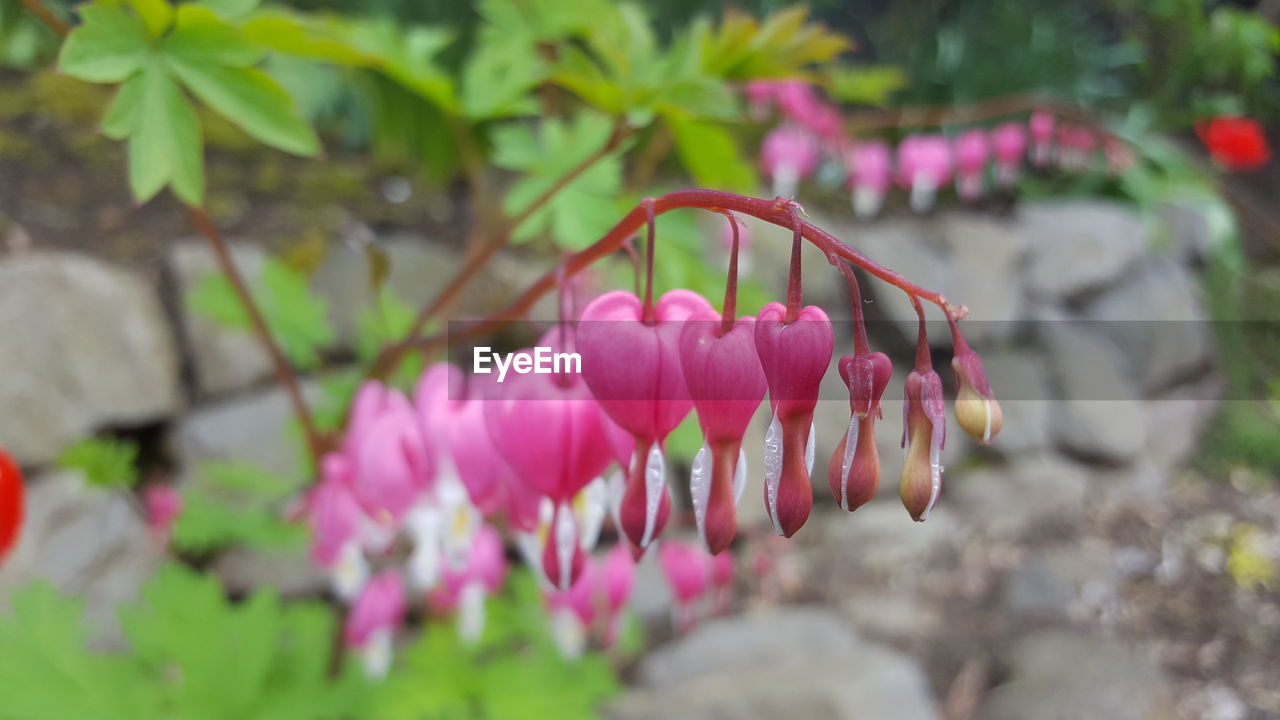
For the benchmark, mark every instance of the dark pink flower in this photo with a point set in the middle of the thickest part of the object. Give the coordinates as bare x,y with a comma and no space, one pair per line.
971,151
373,620
1009,145
870,172
924,166
788,155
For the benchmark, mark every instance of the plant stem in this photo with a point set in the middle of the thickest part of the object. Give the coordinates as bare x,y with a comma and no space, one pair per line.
481,248
776,211
284,370
795,288
46,16
861,345
727,315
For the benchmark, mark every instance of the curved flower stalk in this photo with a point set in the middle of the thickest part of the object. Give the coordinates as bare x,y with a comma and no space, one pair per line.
924,167
373,621
870,173
971,151
1008,145
924,431
11,503
853,473
631,363
466,588
594,605
551,431
788,155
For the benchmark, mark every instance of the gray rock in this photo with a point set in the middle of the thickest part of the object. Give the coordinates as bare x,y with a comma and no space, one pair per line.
887,538
224,359
1067,676
256,428
87,542
1188,229
1079,246
84,345
796,662
289,571
1031,489
419,269
974,260
1157,321
1070,581
1182,416
1022,386
1099,416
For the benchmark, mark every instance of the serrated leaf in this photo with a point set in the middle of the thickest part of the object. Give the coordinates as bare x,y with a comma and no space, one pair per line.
235,503
122,116
201,36
105,462
711,155
247,97
165,144
107,47
297,316
498,76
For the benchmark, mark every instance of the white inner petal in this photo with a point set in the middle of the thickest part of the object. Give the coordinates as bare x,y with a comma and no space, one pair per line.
471,612
655,484
923,189
740,476
700,488
350,573
773,470
850,446
375,654
569,634
592,505
810,447
566,543
866,201
935,478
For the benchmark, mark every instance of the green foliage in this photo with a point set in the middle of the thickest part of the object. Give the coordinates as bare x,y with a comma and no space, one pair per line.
193,656
296,316
236,503
105,462
160,53
584,207
514,673
384,322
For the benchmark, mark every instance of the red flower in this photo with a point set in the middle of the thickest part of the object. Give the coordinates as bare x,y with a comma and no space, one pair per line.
1235,143
10,502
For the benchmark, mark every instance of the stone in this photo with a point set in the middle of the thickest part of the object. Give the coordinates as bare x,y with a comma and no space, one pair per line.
1188,229
223,359
288,570
85,345
1023,494
1182,416
1098,417
1076,581
802,662
418,270
887,538
1057,675
255,428
1157,321
86,541
1079,246
974,260
1022,385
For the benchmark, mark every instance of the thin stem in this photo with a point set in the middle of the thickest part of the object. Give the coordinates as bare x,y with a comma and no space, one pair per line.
284,371
731,281
46,16
860,344
795,288
776,211
923,361
649,318
479,254
630,247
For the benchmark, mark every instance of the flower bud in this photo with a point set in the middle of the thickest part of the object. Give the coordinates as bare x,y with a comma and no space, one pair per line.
976,408
854,469
924,435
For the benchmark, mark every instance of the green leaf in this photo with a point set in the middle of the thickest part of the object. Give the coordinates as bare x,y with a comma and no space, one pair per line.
498,77
107,47
711,155
865,85
157,15
45,670
584,207
230,10
235,503
164,146
315,38
201,36
105,462
246,96
122,116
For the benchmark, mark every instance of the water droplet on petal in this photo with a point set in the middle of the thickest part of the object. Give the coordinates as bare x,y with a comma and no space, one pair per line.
655,484
850,446
773,469
809,450
700,488
566,540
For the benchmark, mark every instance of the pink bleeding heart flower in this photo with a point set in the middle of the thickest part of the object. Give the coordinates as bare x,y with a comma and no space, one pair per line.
971,150
632,365
374,619
924,434
451,409
854,470
596,602
794,354
788,155
1008,144
464,589
760,96
1075,147
796,99
1041,125
394,463
338,528
551,431
825,123
924,166
163,504
726,383
687,569
870,172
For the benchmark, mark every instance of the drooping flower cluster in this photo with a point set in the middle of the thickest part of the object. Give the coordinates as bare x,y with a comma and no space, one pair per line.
700,583
811,129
